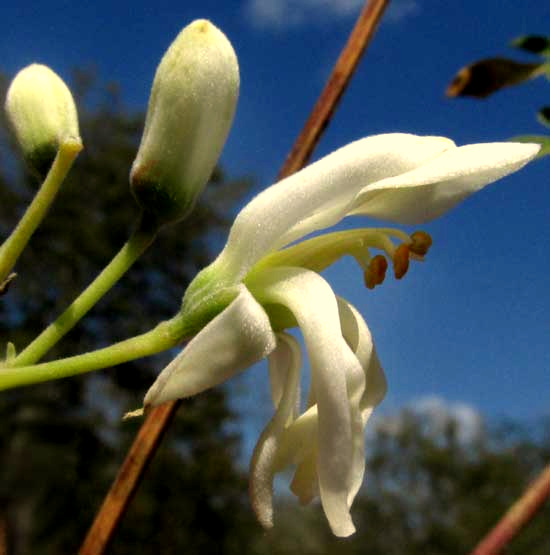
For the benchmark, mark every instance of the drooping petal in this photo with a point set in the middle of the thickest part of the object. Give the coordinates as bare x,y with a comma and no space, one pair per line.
297,440
375,389
359,338
235,339
295,446
319,195
432,189
366,395
282,361
311,300
305,482
262,464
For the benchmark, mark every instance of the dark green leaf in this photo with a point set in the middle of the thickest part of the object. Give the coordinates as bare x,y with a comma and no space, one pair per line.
543,115
536,44
485,77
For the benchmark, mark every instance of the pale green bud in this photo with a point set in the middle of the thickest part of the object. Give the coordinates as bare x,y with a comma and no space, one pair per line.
43,114
190,112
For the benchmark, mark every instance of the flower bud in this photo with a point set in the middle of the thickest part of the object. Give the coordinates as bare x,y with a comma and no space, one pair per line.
191,108
42,113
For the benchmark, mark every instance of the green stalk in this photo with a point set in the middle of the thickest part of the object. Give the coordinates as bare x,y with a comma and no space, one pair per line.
16,242
164,336
142,237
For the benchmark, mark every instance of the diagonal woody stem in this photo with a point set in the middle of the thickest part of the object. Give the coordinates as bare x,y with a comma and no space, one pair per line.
516,517
144,447
337,83
119,496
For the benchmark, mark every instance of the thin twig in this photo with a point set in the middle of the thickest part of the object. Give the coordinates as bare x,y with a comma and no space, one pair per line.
144,446
3,536
517,516
119,496
337,83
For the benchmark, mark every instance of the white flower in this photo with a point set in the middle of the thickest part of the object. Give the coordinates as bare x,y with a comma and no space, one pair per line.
256,288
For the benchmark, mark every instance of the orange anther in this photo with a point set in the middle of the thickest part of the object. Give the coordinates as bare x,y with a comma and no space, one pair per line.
401,261
421,243
376,271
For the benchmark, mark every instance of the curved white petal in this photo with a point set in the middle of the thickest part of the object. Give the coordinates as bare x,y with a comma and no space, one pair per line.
432,189
235,339
319,195
262,464
298,445
282,361
375,389
305,483
311,300
364,396
295,446
297,440
359,338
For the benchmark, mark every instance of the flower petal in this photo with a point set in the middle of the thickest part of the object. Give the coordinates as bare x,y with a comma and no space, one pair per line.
228,344
319,195
309,297
435,187
359,338
305,483
282,362
363,397
262,464
296,441
295,446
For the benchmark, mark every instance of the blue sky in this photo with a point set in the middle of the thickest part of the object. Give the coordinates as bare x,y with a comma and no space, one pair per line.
471,324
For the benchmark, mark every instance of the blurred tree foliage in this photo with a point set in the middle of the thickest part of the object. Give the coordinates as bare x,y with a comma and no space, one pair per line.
429,491
61,443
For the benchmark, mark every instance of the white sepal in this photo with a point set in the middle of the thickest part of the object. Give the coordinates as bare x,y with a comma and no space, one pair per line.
231,342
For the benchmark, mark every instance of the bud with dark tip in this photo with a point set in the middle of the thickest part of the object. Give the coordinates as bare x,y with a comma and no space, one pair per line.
190,112
42,112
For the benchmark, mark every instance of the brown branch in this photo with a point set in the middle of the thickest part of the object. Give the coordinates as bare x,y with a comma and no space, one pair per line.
517,516
145,445
3,535
119,496
337,83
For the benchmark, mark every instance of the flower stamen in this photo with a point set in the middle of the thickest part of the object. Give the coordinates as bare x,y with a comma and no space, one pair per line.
401,260
376,271
420,243
320,252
